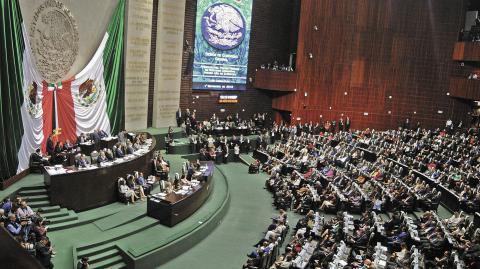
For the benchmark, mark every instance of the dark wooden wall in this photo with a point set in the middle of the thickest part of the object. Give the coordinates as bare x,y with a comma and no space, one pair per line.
270,40
365,51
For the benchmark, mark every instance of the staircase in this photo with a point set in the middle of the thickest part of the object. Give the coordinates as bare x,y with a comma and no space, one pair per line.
37,198
103,256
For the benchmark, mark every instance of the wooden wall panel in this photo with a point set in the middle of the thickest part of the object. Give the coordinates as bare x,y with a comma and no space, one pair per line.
465,88
467,51
275,80
376,56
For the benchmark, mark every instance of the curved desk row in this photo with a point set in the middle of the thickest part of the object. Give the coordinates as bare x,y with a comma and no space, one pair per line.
82,189
175,207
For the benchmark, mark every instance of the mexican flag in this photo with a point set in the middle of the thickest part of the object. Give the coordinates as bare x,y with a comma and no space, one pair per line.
92,99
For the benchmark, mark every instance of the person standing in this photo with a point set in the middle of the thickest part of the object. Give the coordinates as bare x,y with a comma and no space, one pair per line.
236,152
50,145
178,116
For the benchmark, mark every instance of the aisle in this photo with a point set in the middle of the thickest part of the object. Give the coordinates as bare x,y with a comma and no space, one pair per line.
249,215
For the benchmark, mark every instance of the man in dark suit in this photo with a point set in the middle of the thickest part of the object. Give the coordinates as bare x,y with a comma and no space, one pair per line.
95,137
178,116
50,145
102,133
37,156
119,152
81,139
44,253
67,145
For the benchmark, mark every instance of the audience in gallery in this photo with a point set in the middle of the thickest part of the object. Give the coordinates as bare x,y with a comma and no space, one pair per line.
472,35
276,67
329,172
28,228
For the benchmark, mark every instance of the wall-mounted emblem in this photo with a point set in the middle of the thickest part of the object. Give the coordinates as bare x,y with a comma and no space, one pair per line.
54,40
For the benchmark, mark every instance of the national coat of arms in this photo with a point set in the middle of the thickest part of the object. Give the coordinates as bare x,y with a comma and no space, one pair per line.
87,93
34,106
54,40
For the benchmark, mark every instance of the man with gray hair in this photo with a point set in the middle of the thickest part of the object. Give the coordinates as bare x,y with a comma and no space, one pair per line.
3,218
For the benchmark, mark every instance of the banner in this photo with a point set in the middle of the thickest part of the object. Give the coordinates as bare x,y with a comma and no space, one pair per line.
137,63
222,38
168,67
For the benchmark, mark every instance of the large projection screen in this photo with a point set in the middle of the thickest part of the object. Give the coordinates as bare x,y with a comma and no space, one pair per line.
222,38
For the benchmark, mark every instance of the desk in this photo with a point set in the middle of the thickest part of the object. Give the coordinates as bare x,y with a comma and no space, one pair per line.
449,199
174,208
87,148
83,189
108,142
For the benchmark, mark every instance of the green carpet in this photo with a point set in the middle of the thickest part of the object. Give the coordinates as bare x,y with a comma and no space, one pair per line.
157,131
244,225
226,247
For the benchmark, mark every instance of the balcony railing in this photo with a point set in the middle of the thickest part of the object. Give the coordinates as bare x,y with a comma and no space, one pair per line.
467,51
465,88
284,81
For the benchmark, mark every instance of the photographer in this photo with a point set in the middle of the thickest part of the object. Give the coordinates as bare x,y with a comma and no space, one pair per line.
44,252
83,263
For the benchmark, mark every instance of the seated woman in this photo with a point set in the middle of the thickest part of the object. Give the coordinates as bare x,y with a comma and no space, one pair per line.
142,182
164,164
254,167
184,180
168,187
330,202
132,185
125,190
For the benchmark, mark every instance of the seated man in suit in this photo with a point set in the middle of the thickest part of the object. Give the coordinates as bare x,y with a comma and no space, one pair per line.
130,148
67,145
95,136
102,133
102,157
82,162
109,154
118,151
37,160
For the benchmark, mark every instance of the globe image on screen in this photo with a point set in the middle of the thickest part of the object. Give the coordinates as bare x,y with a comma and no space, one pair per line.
223,26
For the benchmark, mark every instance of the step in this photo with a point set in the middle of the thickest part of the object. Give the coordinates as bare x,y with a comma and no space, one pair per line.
49,209
103,256
122,232
60,213
26,193
37,198
107,263
35,187
87,251
71,216
38,204
63,225
120,265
